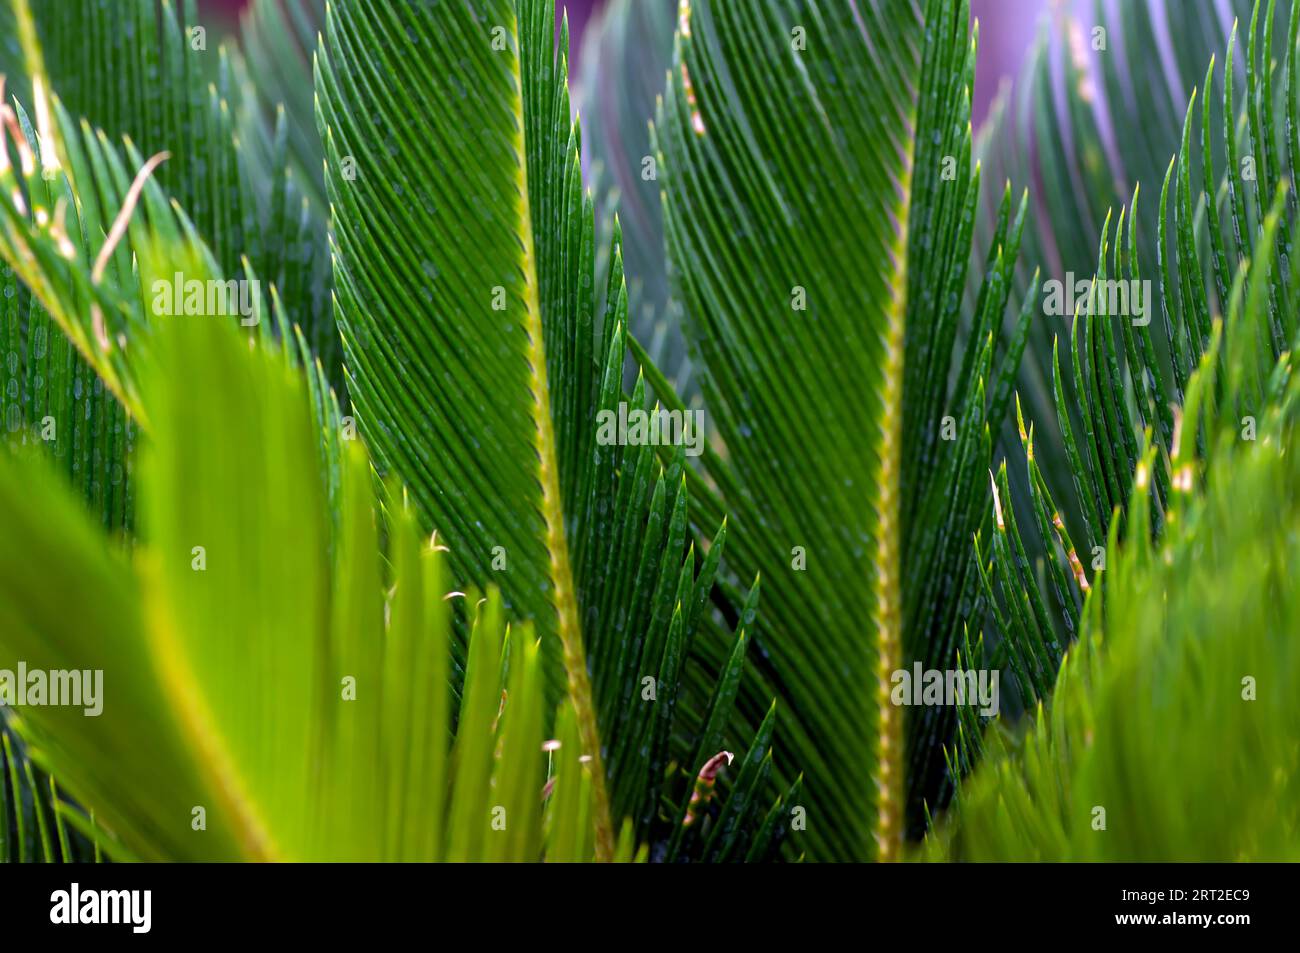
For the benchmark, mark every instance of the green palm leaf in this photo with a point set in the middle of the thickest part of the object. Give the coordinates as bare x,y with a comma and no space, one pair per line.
481,402
204,640
818,210
478,368
33,825
600,684
1174,422
1094,117
1187,630
180,650
169,85
155,79
1122,376
653,777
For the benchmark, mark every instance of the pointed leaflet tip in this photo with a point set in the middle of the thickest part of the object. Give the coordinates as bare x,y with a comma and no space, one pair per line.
997,502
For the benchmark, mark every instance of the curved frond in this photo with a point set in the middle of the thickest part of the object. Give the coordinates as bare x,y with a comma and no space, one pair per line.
1140,331
819,201
206,635
1189,630
482,373
33,815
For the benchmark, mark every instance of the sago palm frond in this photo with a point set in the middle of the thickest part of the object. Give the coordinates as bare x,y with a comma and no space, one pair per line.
1183,480
278,40
303,708
819,202
522,523
1191,630
1133,349
161,85
32,812
1096,114
103,314
190,707
161,80
480,371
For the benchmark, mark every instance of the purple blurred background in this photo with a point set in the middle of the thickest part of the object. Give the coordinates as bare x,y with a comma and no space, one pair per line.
1007,29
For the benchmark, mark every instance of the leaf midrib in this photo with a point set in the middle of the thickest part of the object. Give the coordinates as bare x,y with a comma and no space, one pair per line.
568,628
887,583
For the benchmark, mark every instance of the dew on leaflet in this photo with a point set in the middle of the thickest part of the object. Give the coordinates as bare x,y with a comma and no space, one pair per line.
76,388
